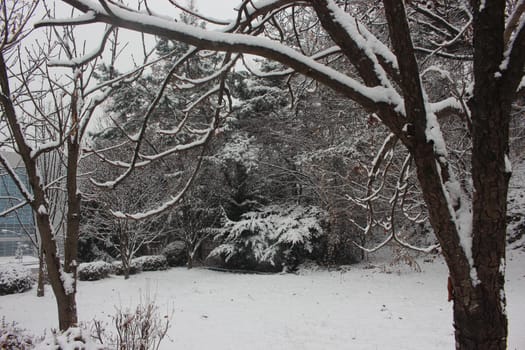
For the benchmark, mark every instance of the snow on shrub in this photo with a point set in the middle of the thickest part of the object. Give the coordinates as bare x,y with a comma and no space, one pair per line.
134,268
14,279
279,235
13,337
143,327
93,271
175,253
151,262
71,339
240,148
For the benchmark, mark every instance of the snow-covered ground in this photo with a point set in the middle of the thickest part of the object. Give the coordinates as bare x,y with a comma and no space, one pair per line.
390,308
358,308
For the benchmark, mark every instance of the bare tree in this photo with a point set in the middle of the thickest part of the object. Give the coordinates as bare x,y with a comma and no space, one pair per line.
46,118
124,238
36,102
470,225
13,84
192,224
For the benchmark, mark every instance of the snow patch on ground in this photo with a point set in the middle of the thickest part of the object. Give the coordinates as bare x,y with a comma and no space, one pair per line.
358,307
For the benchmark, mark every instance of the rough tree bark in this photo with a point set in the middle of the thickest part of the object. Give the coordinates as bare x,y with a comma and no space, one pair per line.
41,274
478,281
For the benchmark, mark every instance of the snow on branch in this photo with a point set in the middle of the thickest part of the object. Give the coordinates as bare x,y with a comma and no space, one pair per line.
447,106
138,139
128,76
400,191
87,18
513,21
140,136
46,147
79,61
521,85
13,208
204,96
334,50
369,97
377,247
174,200
18,182
513,62
249,10
359,45
441,46
458,203
178,128
88,109
454,31
183,147
444,54
226,67
198,15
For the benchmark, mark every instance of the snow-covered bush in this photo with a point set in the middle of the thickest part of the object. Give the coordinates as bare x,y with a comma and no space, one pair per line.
14,279
278,237
241,149
141,328
151,262
118,268
13,337
71,339
93,271
175,253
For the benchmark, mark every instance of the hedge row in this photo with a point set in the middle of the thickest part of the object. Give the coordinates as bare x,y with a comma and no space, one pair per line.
96,270
15,278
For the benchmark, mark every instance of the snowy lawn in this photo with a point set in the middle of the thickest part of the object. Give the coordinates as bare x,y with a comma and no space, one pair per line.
356,309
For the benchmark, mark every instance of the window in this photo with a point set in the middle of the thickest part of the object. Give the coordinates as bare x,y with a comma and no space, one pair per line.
15,227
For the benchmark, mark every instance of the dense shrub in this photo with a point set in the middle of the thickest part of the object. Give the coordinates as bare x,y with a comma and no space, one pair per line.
141,328
73,338
175,253
13,337
151,262
278,237
14,279
94,271
118,268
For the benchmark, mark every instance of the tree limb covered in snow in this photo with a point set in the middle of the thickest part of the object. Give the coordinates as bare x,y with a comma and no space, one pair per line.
471,231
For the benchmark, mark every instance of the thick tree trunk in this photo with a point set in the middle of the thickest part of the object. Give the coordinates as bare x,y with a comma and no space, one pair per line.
61,281
41,274
63,284
480,325
67,311
476,269
479,302
189,263
73,196
483,323
479,298
125,252
125,267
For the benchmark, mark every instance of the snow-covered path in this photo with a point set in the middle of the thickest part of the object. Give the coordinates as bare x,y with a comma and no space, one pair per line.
357,309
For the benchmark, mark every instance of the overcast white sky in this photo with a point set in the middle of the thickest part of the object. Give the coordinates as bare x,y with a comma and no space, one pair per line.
217,8
220,9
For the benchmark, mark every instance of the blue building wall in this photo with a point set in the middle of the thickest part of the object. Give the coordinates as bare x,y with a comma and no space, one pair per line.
16,226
